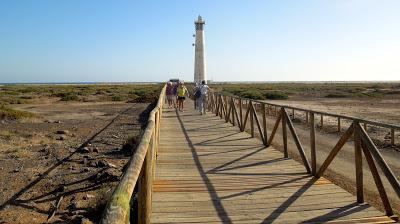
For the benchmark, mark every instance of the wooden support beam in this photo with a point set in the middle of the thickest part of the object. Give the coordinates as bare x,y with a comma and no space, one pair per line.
339,128
335,150
377,180
358,163
380,160
312,145
297,142
265,137
277,122
245,119
260,131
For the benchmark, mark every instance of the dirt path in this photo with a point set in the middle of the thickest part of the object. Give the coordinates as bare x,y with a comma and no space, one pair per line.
80,171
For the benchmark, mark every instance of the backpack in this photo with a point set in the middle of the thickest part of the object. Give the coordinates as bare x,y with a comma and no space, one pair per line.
197,94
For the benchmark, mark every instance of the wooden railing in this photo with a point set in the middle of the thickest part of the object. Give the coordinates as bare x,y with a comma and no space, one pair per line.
141,170
231,109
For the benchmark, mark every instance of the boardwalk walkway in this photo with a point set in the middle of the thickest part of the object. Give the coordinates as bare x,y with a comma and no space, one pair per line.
210,172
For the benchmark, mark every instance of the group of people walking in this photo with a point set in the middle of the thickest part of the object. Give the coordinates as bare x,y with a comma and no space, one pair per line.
177,93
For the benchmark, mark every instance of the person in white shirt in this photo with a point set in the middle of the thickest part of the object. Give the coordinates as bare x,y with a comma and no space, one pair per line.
202,101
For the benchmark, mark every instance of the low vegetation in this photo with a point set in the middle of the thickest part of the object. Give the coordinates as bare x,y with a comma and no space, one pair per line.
282,91
21,94
7,113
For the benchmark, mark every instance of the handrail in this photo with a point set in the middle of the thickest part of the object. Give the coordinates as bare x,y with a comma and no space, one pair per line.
361,120
140,168
225,107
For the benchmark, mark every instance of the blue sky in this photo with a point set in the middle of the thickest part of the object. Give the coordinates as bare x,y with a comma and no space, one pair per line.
247,40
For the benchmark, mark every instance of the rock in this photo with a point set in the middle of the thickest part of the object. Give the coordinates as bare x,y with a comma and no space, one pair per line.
57,122
17,170
84,150
62,132
86,221
73,205
61,188
85,169
111,165
93,164
96,150
61,138
102,163
87,196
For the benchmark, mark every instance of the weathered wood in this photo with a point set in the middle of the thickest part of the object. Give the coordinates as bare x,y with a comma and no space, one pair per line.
297,142
277,122
380,160
358,163
339,128
335,150
312,145
237,116
265,137
377,180
284,134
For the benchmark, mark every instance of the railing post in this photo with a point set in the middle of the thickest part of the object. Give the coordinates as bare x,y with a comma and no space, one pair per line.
322,121
264,124
284,133
307,117
358,162
312,145
240,112
292,114
145,187
339,128
251,119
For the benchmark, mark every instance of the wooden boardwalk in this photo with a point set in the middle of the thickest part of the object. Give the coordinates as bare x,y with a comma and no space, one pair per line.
209,172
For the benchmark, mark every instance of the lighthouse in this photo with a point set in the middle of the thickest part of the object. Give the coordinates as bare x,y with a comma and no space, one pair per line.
199,55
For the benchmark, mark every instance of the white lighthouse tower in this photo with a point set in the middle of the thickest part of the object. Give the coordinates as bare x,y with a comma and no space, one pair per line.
199,57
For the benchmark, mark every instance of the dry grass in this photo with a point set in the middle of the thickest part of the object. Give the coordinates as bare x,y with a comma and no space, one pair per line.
17,144
12,114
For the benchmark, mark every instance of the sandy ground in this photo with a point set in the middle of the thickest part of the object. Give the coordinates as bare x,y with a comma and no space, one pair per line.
78,168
